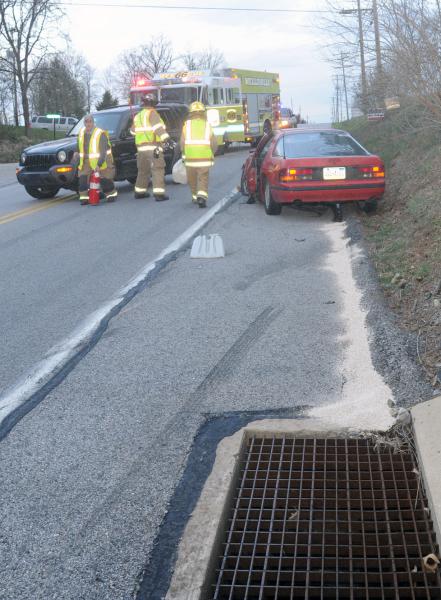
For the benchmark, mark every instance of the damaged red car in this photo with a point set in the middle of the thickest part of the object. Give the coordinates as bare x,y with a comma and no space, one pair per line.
304,167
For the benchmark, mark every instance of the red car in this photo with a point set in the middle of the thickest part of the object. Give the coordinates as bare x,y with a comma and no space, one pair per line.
312,166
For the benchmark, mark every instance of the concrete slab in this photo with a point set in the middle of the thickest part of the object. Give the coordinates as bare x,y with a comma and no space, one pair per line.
201,539
426,420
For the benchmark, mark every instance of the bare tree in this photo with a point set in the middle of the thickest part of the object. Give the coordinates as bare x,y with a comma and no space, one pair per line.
22,23
209,59
355,32
6,98
413,53
154,57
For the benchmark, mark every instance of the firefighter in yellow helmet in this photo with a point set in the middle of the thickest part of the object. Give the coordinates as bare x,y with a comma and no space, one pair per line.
150,133
94,153
198,145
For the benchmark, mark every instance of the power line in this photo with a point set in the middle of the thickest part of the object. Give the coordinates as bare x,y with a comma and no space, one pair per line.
212,8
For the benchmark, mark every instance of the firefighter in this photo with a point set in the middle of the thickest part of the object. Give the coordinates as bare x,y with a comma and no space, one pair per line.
198,145
150,133
95,154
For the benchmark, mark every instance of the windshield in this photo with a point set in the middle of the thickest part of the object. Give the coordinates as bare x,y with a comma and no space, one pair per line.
184,95
105,120
136,96
321,144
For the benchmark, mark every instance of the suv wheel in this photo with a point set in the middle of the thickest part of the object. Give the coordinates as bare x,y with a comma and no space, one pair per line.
42,193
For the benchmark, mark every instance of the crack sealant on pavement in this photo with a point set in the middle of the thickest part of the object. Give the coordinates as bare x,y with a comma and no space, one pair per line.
363,403
20,399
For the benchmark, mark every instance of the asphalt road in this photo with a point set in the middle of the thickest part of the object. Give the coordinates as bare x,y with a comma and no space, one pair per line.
87,477
61,263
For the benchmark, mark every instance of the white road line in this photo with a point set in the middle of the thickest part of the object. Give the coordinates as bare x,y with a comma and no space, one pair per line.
59,355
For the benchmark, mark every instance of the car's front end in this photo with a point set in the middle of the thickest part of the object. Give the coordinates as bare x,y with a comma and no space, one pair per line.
45,168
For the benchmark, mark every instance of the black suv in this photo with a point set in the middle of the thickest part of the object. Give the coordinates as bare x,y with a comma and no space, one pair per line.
45,168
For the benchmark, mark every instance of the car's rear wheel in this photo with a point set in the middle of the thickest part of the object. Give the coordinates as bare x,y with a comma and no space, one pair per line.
271,207
42,193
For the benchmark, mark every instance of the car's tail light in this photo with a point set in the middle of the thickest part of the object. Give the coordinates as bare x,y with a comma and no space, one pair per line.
369,172
299,174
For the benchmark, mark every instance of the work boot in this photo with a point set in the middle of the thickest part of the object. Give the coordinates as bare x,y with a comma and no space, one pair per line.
111,197
142,195
84,201
202,203
161,197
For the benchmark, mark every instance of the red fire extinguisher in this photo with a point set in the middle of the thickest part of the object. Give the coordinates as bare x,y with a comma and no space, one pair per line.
94,188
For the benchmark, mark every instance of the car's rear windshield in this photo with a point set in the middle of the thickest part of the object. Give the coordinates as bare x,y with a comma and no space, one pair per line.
108,121
302,145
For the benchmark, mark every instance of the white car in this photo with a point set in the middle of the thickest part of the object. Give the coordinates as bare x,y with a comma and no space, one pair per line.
61,123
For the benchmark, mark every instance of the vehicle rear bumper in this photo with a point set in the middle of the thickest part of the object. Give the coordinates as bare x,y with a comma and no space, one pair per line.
327,193
49,178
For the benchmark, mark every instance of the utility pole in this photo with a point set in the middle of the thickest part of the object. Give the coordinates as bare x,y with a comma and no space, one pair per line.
345,89
377,37
337,98
362,60
359,10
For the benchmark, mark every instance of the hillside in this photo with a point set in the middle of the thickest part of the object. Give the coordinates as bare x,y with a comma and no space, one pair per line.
404,237
13,140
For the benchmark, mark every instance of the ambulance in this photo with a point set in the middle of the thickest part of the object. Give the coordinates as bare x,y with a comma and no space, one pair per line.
242,105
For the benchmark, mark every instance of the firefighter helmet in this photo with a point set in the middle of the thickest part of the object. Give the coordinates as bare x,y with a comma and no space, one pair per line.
196,107
149,100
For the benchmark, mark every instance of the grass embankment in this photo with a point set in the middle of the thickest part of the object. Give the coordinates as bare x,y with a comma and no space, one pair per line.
13,140
404,236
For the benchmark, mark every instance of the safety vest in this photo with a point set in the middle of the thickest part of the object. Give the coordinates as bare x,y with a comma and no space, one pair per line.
197,150
94,147
145,132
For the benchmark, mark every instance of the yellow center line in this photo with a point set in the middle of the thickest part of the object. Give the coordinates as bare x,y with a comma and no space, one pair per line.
35,208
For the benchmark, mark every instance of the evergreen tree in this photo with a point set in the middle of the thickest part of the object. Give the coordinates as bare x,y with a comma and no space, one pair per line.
107,101
58,90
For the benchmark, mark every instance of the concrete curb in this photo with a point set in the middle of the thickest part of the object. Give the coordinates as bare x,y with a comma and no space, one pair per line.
426,422
201,539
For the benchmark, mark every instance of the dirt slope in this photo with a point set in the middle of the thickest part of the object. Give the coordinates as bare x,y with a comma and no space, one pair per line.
405,235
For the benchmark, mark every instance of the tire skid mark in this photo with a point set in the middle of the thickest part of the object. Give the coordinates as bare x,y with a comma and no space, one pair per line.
29,392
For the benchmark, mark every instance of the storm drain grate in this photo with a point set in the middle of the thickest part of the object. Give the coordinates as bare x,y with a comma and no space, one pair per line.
324,519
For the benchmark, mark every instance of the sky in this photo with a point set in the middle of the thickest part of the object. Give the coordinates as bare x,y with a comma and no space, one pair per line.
291,44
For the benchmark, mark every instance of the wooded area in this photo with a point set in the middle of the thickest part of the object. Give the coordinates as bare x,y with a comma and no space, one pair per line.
41,73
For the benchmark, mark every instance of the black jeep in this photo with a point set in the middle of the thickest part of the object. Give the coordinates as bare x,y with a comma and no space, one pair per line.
45,168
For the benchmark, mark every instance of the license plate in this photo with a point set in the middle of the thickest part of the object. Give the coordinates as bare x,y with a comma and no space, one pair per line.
334,173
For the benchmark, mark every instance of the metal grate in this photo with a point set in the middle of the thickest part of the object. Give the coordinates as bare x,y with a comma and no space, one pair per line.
320,519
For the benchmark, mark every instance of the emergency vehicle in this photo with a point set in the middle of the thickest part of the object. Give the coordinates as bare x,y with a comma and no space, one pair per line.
242,105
